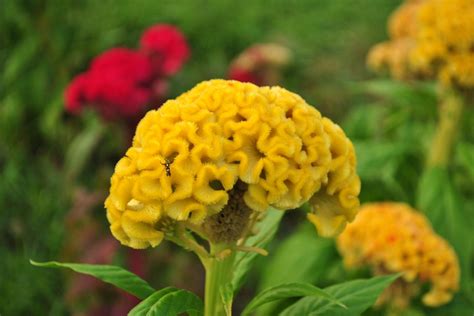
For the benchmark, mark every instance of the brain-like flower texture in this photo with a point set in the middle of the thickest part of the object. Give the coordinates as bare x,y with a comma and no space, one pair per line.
392,237
225,146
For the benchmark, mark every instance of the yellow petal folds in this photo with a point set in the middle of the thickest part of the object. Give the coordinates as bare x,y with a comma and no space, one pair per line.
392,237
188,158
337,202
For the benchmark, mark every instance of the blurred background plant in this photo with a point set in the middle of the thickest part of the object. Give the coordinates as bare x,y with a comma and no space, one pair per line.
55,167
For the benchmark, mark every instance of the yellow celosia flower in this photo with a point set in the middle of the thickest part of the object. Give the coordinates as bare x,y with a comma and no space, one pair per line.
444,41
392,237
429,38
188,156
394,54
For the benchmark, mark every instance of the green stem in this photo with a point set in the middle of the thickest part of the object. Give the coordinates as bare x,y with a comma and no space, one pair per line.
218,275
187,241
450,111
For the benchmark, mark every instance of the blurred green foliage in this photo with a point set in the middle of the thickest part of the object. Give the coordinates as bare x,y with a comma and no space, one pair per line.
45,153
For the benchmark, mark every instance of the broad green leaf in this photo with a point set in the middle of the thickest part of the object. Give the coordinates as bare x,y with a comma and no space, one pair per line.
114,275
299,267
441,202
169,301
143,308
288,290
266,230
357,295
304,267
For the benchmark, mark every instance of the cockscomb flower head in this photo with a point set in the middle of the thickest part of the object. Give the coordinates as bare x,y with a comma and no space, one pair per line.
121,83
224,150
445,41
432,39
391,238
167,48
117,84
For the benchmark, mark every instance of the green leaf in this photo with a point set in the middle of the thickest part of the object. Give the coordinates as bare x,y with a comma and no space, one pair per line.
169,301
303,241
357,295
309,268
442,204
227,295
288,290
266,230
145,305
114,275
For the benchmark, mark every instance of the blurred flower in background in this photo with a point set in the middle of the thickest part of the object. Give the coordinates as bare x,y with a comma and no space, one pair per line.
260,64
393,237
445,41
394,54
123,83
429,38
118,84
166,47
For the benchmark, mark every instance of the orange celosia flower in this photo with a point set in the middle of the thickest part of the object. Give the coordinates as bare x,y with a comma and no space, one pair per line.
392,237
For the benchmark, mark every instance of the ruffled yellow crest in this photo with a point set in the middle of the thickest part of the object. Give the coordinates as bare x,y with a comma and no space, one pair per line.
187,156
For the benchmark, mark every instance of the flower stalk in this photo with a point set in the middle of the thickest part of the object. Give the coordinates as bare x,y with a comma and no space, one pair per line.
450,111
218,275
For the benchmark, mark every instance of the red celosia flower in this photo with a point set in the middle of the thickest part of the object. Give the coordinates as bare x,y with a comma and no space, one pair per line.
117,84
121,82
123,61
166,46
